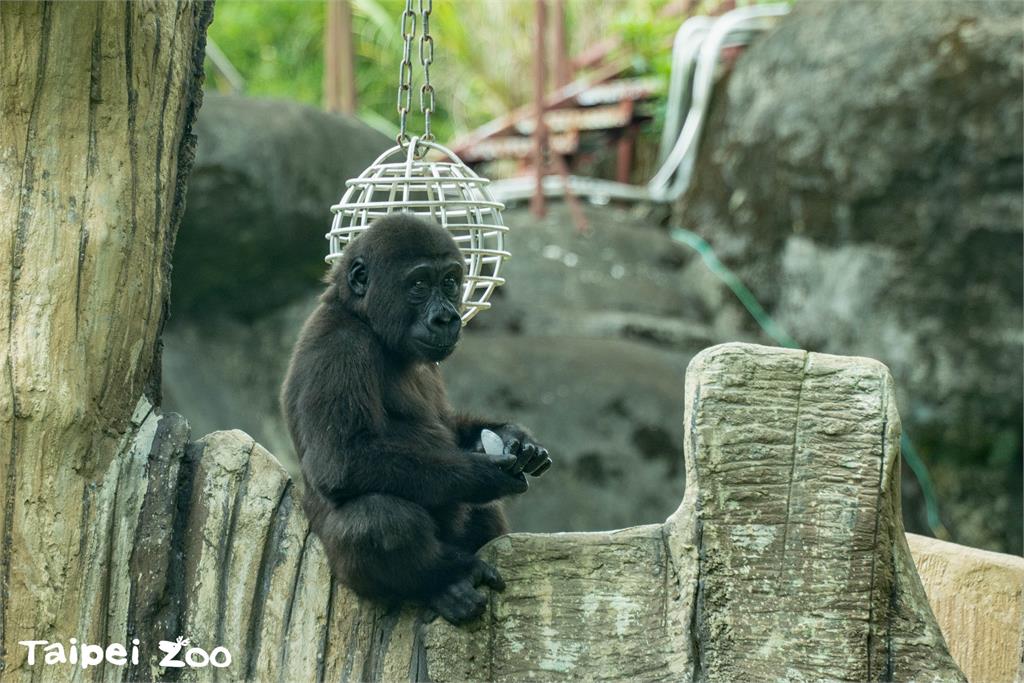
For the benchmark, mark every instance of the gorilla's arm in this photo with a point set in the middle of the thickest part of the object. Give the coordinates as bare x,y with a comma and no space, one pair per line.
430,477
351,448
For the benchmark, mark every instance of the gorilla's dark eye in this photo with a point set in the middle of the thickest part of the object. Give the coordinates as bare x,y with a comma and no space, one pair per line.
451,286
419,290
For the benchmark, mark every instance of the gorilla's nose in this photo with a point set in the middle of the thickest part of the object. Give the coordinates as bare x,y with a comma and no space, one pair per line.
444,320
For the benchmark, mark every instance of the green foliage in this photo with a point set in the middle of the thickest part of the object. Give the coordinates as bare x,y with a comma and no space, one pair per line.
483,62
277,47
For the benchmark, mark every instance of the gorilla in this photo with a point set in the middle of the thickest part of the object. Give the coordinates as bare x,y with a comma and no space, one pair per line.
398,486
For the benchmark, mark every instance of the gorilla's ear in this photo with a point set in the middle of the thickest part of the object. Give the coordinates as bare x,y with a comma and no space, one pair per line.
357,276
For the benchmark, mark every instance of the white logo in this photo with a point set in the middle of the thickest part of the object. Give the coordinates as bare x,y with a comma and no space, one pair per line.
177,654
195,657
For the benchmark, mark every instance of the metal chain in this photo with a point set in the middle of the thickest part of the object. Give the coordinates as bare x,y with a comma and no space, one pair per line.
426,59
405,72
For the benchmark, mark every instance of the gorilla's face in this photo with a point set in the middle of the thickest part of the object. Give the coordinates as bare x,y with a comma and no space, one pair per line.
432,288
405,280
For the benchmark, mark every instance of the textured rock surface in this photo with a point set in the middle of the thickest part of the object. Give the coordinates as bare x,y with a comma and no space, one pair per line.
978,600
792,462
786,558
228,372
266,174
862,172
610,410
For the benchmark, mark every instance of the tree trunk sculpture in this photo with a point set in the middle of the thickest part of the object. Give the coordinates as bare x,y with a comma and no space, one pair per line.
97,101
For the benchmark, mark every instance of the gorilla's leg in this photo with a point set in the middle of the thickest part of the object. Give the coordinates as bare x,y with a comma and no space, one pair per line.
480,525
387,548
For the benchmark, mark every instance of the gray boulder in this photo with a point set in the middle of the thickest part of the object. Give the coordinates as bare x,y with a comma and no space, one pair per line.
610,411
862,172
259,197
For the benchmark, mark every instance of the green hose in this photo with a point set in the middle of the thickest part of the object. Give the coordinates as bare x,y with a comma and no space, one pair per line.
746,297
782,338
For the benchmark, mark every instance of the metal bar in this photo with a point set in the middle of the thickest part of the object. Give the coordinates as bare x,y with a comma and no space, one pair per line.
518,147
596,53
597,190
578,217
615,91
624,147
339,59
414,202
506,123
563,70
390,180
539,142
223,66
594,118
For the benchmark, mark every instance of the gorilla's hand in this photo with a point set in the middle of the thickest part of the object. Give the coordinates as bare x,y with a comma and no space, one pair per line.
509,480
531,457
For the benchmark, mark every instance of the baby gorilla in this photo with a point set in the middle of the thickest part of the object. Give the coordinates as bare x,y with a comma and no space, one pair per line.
398,487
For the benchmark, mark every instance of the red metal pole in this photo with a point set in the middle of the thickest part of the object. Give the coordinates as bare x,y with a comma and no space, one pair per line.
339,59
563,72
540,132
624,153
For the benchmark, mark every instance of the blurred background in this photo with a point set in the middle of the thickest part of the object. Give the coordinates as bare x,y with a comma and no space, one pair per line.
854,186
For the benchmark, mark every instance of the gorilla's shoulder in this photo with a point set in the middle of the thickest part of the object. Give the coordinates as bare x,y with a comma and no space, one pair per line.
334,333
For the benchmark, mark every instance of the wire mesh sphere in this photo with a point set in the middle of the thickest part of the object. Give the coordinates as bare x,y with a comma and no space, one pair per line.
447,192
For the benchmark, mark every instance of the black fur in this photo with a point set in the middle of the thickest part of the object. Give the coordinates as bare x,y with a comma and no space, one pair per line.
396,487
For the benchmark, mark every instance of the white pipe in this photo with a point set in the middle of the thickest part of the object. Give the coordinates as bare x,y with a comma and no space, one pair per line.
672,179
